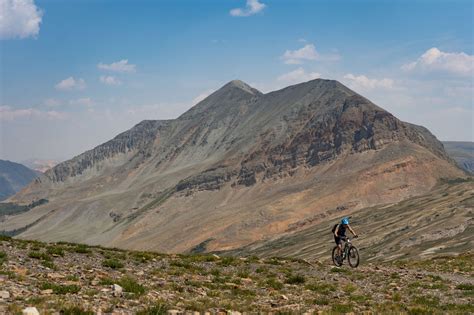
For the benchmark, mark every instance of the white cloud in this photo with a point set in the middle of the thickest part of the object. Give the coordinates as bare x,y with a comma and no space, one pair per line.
51,102
308,52
436,60
9,114
119,66
202,96
252,7
86,101
361,82
71,84
19,19
110,80
297,76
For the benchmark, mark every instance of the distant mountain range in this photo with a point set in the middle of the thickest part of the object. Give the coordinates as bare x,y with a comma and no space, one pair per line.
462,152
13,177
239,167
40,165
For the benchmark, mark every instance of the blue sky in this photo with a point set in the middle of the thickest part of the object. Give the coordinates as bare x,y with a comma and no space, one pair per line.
76,73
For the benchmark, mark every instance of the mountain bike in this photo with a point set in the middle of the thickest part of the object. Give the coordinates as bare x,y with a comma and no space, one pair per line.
349,251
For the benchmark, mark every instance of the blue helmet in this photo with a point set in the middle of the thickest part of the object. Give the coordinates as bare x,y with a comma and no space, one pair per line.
345,220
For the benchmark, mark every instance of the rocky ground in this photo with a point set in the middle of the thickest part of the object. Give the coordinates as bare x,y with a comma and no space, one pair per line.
65,278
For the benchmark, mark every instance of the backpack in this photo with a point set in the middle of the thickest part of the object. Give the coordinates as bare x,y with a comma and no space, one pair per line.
334,228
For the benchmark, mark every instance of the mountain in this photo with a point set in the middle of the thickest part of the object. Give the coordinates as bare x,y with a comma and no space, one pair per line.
462,153
40,165
238,167
13,177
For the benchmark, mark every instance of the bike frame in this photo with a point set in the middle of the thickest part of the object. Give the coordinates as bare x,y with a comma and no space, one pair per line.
347,246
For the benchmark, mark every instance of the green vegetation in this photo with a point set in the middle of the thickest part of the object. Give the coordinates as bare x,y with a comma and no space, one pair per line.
76,310
60,289
158,309
112,263
3,257
55,250
465,286
274,283
129,284
142,257
341,308
82,249
39,255
49,264
321,287
9,208
295,279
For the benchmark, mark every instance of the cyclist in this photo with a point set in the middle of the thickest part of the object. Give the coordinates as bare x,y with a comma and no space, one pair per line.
340,234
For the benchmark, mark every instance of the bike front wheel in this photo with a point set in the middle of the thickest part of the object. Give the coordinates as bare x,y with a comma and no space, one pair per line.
336,259
353,257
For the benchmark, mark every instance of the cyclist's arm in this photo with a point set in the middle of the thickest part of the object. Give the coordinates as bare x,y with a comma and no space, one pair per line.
352,231
336,231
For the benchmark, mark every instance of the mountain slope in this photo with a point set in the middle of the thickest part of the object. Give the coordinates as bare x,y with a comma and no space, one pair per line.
462,153
13,177
440,222
237,167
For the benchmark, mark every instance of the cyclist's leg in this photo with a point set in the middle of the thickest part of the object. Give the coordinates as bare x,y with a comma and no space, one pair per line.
339,245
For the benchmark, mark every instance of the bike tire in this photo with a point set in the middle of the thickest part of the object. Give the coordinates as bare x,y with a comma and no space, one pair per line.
353,257
335,261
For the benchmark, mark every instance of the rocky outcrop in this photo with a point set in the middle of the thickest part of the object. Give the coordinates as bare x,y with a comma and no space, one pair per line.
138,140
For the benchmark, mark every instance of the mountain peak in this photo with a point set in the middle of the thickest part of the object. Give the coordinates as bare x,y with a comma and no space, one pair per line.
242,86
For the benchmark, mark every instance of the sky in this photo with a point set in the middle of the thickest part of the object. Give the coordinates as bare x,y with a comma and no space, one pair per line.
74,74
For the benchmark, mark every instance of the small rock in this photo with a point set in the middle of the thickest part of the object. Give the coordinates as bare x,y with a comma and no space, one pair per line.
392,284
216,256
54,275
47,291
30,311
284,297
173,312
118,290
4,295
246,280
234,313
140,273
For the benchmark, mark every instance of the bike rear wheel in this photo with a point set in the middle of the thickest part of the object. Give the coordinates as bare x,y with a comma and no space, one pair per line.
336,259
353,257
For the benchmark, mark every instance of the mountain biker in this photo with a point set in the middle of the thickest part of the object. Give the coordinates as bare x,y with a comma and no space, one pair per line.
340,234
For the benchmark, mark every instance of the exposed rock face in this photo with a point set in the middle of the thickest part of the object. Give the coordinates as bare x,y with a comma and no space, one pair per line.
238,166
138,139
